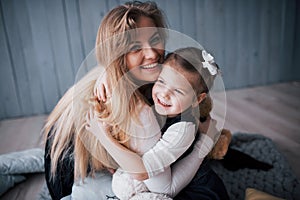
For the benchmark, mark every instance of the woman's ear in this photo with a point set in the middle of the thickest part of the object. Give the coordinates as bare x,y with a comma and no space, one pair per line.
199,99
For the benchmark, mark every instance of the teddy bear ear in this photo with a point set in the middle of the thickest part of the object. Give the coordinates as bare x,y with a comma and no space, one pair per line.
205,107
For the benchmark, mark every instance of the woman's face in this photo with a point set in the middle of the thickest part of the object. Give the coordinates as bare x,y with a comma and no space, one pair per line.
146,51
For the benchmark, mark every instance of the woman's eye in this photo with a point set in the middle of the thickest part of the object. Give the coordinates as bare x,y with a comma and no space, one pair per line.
135,48
155,40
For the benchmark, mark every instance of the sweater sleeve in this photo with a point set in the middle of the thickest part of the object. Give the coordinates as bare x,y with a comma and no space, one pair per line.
174,179
175,141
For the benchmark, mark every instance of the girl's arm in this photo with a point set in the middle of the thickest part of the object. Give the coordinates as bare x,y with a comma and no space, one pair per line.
174,142
167,181
185,169
166,151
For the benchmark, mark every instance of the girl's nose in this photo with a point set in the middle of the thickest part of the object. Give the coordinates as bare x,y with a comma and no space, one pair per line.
165,93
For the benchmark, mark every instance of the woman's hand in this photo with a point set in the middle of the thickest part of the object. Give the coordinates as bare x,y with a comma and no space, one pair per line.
102,89
95,126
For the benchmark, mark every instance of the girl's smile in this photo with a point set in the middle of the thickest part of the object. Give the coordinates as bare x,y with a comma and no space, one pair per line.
172,93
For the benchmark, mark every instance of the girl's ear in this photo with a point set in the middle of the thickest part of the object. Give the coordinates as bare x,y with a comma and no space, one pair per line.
199,99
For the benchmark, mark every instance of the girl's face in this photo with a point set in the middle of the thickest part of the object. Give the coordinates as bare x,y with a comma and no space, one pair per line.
146,51
172,93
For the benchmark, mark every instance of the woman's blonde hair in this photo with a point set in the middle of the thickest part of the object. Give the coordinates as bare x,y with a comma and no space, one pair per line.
65,126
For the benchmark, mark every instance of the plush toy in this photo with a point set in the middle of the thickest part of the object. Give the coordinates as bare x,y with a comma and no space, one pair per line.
230,158
221,147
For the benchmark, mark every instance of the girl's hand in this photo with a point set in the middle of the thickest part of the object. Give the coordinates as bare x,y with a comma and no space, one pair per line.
221,138
221,147
102,89
111,170
94,125
209,127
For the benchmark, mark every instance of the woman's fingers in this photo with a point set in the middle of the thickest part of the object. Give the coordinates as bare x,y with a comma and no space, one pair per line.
95,90
102,95
107,89
102,89
87,119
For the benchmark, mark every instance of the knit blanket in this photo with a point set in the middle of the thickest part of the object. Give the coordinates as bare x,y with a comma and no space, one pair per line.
279,181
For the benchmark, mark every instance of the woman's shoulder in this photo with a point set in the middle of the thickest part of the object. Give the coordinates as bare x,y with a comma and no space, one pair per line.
146,114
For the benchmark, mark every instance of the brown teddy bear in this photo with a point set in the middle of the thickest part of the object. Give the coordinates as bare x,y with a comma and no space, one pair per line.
221,147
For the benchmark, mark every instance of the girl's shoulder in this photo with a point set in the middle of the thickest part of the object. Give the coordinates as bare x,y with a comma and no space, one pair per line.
182,126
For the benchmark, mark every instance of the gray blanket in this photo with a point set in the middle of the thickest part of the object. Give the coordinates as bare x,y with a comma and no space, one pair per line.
14,166
279,181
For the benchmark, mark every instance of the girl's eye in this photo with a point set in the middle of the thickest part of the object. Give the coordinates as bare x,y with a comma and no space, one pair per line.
160,81
179,91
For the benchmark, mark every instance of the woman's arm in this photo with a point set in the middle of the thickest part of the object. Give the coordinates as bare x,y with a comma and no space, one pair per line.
120,153
102,88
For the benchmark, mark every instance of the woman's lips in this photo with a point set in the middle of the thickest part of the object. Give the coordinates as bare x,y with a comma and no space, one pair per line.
150,67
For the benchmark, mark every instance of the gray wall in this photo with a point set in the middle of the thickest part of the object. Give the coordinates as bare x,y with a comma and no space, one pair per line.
43,42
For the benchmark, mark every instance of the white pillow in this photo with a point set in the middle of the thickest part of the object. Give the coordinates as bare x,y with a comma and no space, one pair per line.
97,187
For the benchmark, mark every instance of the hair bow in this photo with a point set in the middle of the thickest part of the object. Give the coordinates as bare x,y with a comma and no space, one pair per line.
208,60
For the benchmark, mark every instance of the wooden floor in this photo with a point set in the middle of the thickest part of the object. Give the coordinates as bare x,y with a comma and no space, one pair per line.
273,111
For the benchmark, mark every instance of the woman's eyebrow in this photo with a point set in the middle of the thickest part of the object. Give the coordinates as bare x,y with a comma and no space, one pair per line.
154,34
139,42
135,42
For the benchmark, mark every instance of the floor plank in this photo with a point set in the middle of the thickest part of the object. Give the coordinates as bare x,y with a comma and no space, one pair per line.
273,111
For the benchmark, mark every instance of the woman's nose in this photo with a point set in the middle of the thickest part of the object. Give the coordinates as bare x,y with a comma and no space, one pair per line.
149,53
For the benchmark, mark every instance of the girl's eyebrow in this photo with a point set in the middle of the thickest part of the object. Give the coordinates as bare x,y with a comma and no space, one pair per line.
160,77
176,87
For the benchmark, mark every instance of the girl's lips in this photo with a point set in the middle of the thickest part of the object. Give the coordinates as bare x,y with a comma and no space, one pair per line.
163,103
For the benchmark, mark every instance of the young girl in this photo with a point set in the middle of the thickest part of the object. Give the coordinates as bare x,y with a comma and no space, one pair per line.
72,152
185,79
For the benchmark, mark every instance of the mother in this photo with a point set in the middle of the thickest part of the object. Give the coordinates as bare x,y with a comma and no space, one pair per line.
71,151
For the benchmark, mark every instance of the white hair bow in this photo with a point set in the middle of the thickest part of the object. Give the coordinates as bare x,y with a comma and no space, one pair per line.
208,60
